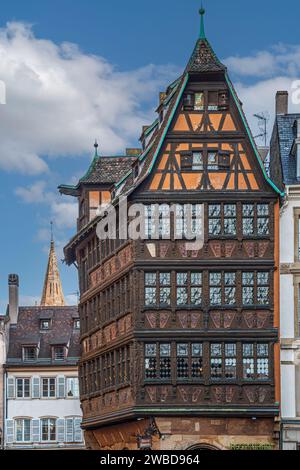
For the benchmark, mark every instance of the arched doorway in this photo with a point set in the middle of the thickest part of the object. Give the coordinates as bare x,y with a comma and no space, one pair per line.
202,446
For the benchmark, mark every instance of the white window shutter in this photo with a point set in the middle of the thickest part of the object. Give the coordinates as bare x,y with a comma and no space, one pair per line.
35,387
9,431
36,433
60,386
10,387
60,425
77,430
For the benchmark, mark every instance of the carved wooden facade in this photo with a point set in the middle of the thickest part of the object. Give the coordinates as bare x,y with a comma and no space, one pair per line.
172,332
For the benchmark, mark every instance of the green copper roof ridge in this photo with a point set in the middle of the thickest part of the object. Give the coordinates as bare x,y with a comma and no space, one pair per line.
162,138
271,183
141,158
91,168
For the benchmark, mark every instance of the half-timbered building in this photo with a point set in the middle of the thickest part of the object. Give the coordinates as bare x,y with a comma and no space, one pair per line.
180,344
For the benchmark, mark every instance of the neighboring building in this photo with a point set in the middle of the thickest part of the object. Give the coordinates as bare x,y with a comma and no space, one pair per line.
285,171
180,346
42,407
4,327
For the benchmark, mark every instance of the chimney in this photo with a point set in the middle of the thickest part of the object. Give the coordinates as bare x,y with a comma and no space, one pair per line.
282,98
13,292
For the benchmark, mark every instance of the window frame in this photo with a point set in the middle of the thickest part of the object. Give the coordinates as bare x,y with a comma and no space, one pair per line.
23,387
22,420
48,395
48,420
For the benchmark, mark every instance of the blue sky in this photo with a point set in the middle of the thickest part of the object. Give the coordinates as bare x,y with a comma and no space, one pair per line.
61,97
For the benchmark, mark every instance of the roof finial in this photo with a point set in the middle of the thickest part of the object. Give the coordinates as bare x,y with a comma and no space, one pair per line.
202,13
96,148
51,228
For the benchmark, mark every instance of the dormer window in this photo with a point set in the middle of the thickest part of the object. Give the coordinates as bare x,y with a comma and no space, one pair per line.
224,159
199,101
188,102
223,99
45,324
76,324
191,160
29,353
59,353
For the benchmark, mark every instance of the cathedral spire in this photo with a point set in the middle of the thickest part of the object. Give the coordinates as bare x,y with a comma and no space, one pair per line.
53,295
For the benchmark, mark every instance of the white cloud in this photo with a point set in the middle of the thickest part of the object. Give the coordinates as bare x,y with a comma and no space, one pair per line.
281,59
61,211
59,99
260,75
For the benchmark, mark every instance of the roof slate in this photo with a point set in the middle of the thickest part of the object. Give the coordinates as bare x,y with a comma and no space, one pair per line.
28,329
286,137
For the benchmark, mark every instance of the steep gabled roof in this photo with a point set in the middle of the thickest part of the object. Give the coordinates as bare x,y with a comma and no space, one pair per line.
27,332
102,170
204,59
286,137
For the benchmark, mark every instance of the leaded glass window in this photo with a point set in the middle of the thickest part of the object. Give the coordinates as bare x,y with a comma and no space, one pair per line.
248,361
230,360
212,160
248,288
262,287
197,360
230,288
150,361
189,360
196,288
188,221
188,288
182,288
165,361
255,361
199,101
150,289
262,219
214,219
197,161
248,219
222,219
182,360
216,360
157,221
165,288
262,351
229,219
215,288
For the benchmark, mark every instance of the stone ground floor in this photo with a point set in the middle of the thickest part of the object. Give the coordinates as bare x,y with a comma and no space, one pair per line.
187,433
290,434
